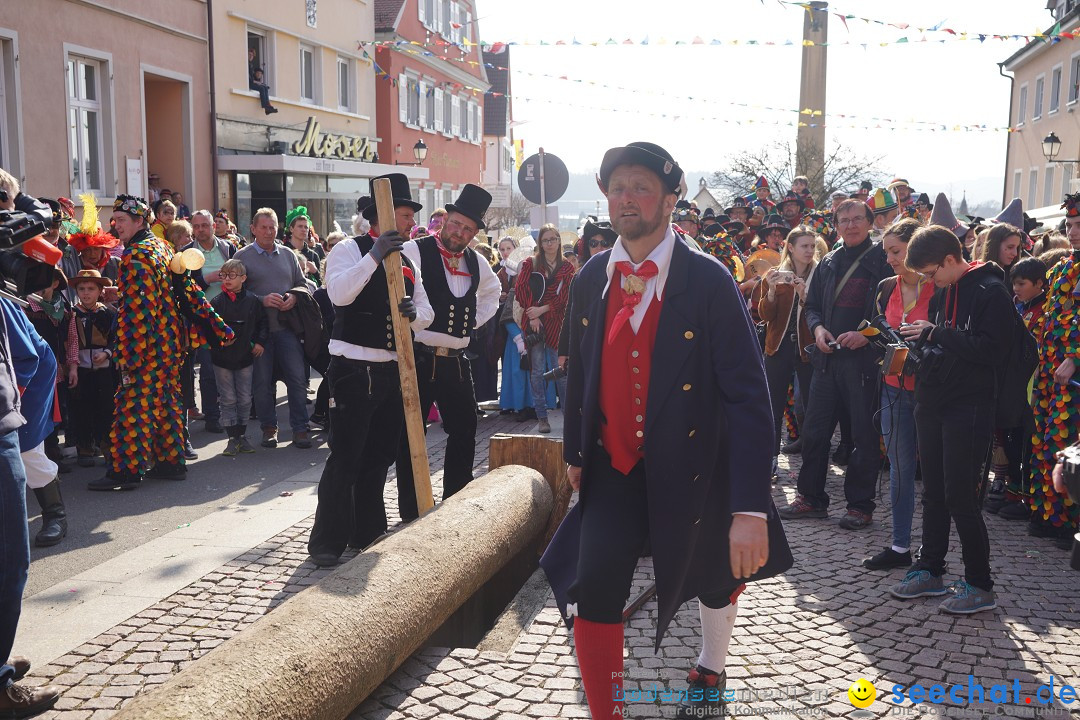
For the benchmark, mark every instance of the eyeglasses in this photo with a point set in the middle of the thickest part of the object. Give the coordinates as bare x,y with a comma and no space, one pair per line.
930,275
462,228
851,220
595,242
231,275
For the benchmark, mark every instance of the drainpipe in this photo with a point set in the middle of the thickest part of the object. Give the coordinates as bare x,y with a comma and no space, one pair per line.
1008,137
213,104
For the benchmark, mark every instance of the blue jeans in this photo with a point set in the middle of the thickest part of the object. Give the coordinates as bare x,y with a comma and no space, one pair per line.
898,429
283,349
234,394
207,384
14,547
544,359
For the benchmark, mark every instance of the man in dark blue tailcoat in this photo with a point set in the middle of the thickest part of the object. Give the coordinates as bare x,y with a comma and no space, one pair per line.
664,365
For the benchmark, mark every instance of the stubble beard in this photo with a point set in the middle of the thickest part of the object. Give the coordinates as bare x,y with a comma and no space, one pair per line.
633,229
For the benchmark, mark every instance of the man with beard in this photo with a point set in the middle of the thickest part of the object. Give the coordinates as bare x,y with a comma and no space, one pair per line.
740,211
662,356
464,293
791,208
903,193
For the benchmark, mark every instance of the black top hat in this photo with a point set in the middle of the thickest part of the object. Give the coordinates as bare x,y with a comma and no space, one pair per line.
473,202
648,154
363,203
602,228
708,214
732,226
740,204
399,188
712,229
770,223
791,196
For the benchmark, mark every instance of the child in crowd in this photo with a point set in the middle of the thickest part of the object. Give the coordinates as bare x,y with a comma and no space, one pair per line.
92,395
233,363
1006,498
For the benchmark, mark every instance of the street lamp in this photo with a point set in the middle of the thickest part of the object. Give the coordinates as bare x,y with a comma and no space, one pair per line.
1051,146
419,152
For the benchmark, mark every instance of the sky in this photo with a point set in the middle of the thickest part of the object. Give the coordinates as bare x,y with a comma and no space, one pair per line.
704,103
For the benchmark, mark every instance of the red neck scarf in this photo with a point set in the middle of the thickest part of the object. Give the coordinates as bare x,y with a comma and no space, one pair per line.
451,260
633,287
230,295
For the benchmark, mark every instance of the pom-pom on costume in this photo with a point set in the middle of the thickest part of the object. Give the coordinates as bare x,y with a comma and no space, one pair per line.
90,233
161,314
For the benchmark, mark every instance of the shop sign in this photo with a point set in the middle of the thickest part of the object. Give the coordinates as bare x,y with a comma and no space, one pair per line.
318,144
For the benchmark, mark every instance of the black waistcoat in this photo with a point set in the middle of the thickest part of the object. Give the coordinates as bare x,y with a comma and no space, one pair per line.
366,321
454,316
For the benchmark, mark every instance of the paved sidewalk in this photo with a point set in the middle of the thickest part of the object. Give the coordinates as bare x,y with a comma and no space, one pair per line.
800,641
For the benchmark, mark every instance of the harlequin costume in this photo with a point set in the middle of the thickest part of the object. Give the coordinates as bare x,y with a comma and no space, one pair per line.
155,309
662,355
721,245
764,203
1057,406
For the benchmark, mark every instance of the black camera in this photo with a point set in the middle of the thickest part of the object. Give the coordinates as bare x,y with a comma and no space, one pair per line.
558,373
26,267
533,338
906,357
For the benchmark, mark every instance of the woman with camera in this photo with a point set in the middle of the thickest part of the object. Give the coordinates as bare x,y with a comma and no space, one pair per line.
903,299
786,331
544,299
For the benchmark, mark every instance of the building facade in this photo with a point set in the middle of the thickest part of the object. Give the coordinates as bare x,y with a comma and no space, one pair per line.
95,96
320,148
498,128
1045,98
433,93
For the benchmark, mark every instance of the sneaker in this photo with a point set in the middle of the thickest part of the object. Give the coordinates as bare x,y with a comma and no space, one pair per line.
17,701
855,520
243,445
842,454
189,451
301,439
888,559
708,701
968,599
269,439
792,448
917,584
802,508
1015,510
232,448
544,426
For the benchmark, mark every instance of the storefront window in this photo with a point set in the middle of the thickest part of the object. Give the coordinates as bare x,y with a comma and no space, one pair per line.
310,183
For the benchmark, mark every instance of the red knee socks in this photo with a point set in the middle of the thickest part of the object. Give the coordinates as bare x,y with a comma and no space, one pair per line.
600,659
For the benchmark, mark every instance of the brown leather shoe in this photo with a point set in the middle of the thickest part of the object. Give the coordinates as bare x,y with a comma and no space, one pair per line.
21,665
301,439
269,438
17,701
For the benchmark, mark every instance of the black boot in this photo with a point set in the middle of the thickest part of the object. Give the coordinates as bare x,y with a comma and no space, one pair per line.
53,516
167,471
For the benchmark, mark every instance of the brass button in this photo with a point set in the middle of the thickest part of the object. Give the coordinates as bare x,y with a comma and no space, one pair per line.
636,371
640,418
637,401
692,433
634,354
688,335
686,387
451,314
640,434
637,386
451,307
585,321
389,336
599,442
389,327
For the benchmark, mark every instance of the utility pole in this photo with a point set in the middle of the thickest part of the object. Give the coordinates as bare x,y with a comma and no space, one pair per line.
810,141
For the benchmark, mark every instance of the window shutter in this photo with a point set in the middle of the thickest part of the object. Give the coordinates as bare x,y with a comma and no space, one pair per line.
438,110
466,32
456,115
403,98
422,89
420,11
455,18
436,19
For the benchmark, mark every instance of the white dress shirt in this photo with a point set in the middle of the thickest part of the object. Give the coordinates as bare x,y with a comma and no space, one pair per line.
487,298
654,288
348,272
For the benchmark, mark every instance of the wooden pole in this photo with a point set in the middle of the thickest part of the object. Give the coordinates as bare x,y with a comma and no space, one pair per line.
410,392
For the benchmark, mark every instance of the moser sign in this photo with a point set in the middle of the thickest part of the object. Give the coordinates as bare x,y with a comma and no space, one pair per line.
326,145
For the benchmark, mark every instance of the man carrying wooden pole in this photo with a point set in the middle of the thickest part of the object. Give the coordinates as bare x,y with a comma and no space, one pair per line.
372,374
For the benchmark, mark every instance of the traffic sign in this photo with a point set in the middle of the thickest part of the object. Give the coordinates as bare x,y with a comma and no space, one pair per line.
556,178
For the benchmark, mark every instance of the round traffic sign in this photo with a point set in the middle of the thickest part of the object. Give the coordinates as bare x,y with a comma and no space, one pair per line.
556,178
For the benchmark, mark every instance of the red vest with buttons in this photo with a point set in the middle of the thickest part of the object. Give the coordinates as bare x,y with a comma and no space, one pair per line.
624,381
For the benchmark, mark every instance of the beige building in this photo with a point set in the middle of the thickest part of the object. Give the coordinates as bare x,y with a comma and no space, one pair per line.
1045,99
97,94
319,149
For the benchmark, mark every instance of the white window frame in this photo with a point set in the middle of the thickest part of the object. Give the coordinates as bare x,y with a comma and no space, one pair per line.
474,121
348,66
1018,183
1048,184
446,14
421,103
466,34
1040,93
10,131
463,110
1021,105
1066,175
313,97
1055,94
1033,187
80,106
268,53
439,100
1074,79
448,113
412,93
455,116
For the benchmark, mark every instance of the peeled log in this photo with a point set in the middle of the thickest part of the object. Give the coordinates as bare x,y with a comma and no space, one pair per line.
540,453
322,652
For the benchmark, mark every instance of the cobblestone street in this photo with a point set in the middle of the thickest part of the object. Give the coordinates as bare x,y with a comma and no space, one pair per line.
800,640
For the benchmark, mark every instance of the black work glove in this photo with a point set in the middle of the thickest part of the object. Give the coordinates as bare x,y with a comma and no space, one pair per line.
387,243
407,308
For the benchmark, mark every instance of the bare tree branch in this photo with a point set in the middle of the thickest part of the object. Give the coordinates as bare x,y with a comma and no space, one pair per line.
516,214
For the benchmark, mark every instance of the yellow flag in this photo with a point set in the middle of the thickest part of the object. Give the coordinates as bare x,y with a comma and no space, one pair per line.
519,153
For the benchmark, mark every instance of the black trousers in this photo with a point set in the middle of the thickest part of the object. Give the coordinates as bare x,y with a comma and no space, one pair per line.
780,368
953,444
843,384
93,400
614,528
447,381
365,421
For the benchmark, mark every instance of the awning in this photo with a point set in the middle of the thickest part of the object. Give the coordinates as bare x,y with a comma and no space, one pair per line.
298,164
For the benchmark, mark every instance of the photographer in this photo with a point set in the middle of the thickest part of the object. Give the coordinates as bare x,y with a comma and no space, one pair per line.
544,314
973,325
